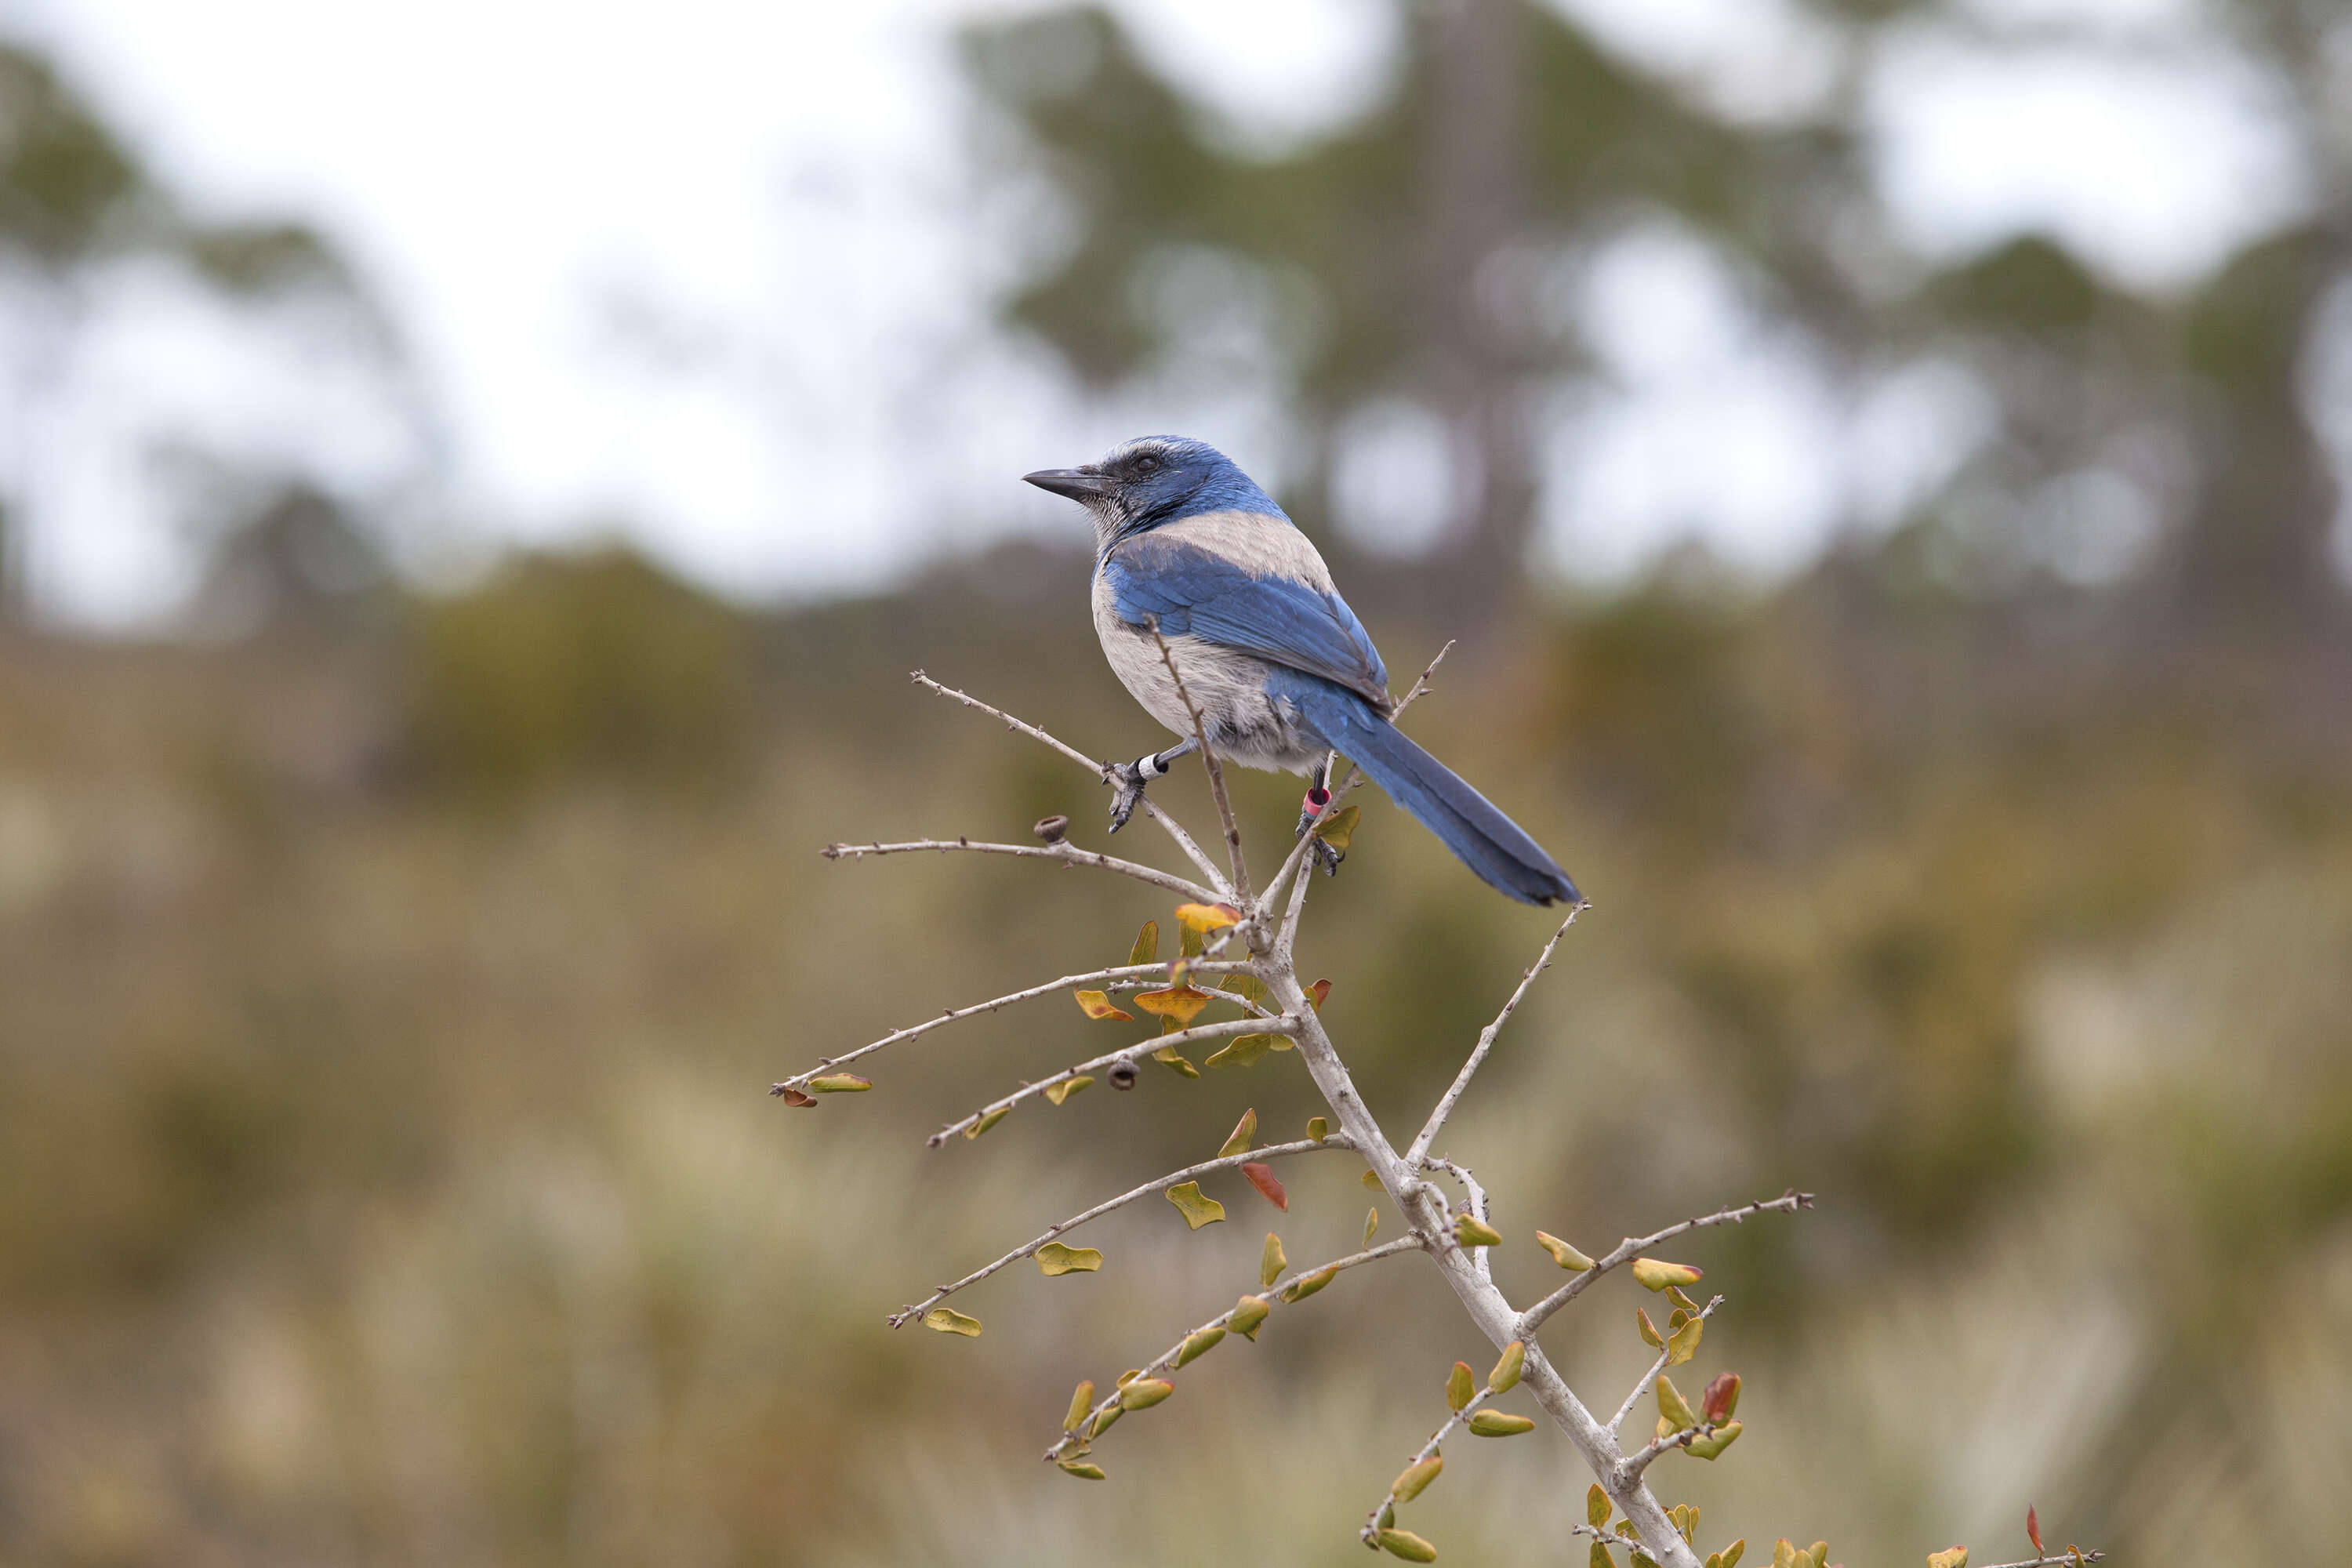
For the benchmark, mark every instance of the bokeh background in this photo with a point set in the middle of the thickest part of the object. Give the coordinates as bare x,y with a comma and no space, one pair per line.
473,481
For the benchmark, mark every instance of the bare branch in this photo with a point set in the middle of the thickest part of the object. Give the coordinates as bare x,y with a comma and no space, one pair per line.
1429,1130
1102,771
1271,1296
1216,773
1066,853
1190,1173
1650,1378
2051,1560
1631,1247
1282,1023
1124,977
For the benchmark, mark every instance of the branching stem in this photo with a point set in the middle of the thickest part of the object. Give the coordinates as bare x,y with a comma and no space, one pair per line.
1633,1246
1066,853
1283,1025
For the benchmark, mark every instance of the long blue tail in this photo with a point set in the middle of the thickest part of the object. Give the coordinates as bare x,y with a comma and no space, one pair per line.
1465,821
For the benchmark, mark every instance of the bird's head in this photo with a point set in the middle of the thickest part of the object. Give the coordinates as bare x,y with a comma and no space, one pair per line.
1155,479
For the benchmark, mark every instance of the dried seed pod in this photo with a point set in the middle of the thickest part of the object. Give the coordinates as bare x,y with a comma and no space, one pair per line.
1052,829
1121,1074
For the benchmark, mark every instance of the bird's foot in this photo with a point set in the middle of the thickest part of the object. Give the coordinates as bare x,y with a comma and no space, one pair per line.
1310,812
1127,793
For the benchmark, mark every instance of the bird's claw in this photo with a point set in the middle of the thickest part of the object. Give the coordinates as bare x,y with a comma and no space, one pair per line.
1126,782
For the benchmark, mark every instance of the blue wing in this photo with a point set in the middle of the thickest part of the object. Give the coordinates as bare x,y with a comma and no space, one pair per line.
1189,592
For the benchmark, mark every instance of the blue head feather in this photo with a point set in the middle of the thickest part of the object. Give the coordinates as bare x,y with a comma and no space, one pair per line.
1163,478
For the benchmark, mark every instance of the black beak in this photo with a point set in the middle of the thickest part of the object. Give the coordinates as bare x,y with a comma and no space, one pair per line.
1076,483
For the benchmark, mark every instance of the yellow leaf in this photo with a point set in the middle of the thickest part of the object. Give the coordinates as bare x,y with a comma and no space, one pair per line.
1461,1386
1562,1254
1652,1275
1183,1003
1146,943
1197,1210
1317,1128
1339,827
1471,1231
1103,1422
1143,1392
1497,1424
1307,1284
1405,1544
1414,1479
1731,1553
1242,1139
1674,1406
1206,918
1371,1180
1598,1557
1596,1502
1085,1469
1271,1263
950,1321
1059,1092
987,1121
1053,1259
1095,1004
1245,1051
1649,1336
1505,1375
1081,1402
840,1083
1372,1223
1247,1315
1175,1061
1195,1346
1950,1557
1683,1344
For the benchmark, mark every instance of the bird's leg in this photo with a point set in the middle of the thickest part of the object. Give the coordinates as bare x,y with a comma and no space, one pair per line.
1127,779
1310,811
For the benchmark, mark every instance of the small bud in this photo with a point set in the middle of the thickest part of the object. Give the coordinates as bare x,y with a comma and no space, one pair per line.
1674,1406
1052,829
1461,1386
987,1121
1708,1448
1497,1424
1244,1134
1195,1346
1562,1254
1405,1544
1317,1128
1143,1392
948,1322
1248,1315
840,1083
1650,1335
1300,1288
1505,1375
1082,1401
1415,1478
1950,1557
1121,1074
1471,1231
1059,1092
1722,1398
1053,1259
1654,1275
1196,1209
1596,1504
1084,1469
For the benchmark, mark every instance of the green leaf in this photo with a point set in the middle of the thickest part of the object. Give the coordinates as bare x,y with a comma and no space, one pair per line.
1731,1553
1339,827
1415,1478
1307,1284
1683,1344
1247,1315
1505,1375
1405,1544
1054,1259
1370,1179
1146,943
947,1321
1197,1210
1596,1503
1195,1346
1095,1004
1250,987
1271,1262
1317,1128
840,1083
1950,1557
1245,1051
1461,1386
1652,1275
1674,1406
987,1121
1598,1557
1081,1401
1059,1092
1725,1437
1497,1424
1143,1392
1174,1061
1471,1231
1372,1223
1562,1254
1242,1137
1085,1470
1103,1422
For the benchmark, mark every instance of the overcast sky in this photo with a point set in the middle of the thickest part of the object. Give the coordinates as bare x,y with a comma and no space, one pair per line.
713,273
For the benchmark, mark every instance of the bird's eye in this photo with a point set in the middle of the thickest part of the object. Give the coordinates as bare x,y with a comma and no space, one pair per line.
1146,464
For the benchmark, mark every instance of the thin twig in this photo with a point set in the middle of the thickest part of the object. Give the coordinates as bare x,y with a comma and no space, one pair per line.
1657,1369
1642,1457
1633,1246
1454,1091
1190,1173
1066,853
1478,1197
1103,771
1281,1023
1370,1532
1125,977
1216,773
1271,1294
2051,1559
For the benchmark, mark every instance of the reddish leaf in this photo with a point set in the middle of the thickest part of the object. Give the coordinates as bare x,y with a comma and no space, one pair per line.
2034,1531
1317,992
1262,1178
795,1097
1721,1398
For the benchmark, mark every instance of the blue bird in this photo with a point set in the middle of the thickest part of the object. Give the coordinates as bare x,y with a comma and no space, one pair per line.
1284,673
